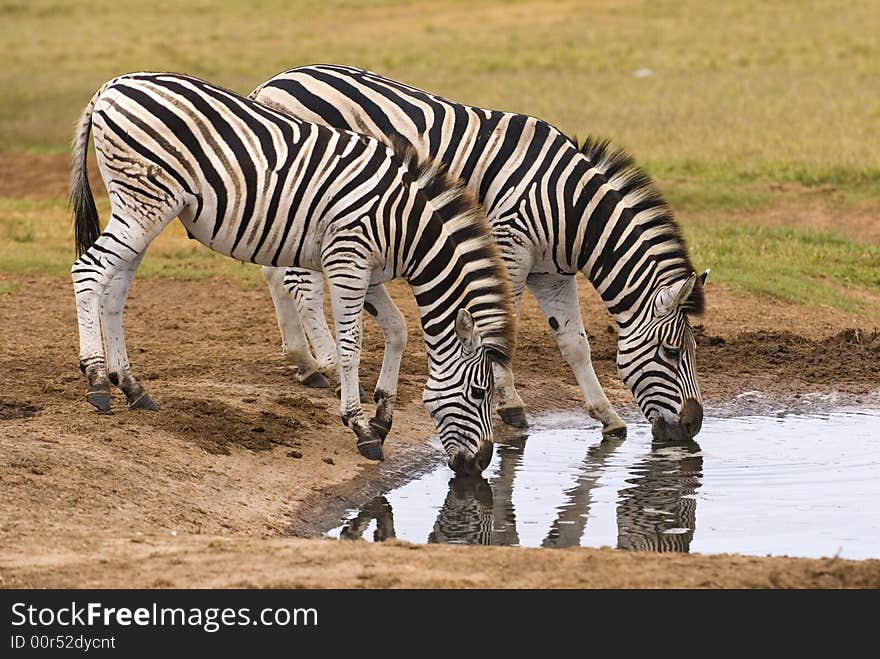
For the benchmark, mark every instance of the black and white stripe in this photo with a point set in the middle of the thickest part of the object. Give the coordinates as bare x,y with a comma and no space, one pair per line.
657,511
556,208
260,186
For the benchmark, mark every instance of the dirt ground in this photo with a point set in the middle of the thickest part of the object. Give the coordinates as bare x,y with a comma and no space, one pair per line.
205,492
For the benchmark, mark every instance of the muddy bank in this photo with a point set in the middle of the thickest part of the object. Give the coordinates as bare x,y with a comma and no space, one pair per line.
240,455
253,562
203,493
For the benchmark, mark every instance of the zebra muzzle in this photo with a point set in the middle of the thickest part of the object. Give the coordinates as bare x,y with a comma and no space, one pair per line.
688,424
472,465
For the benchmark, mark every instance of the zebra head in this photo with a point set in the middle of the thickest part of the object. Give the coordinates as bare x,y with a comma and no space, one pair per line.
656,360
458,396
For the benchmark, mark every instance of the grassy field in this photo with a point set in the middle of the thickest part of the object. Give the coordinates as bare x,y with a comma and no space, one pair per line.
739,89
733,104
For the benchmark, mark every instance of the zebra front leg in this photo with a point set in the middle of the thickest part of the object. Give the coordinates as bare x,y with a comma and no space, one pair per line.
557,295
294,344
508,403
348,288
380,305
510,406
118,365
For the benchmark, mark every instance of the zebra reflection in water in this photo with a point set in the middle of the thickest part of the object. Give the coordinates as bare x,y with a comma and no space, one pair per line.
481,512
659,511
378,509
655,512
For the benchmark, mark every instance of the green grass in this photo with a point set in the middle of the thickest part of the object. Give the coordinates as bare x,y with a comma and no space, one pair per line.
7,287
751,106
50,251
741,90
807,267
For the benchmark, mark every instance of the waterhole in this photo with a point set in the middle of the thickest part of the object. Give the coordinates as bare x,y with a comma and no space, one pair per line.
805,485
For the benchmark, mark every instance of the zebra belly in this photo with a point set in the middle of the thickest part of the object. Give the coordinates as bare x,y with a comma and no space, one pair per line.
263,240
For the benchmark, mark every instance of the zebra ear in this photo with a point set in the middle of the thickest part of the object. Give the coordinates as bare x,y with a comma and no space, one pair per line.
671,297
703,277
465,330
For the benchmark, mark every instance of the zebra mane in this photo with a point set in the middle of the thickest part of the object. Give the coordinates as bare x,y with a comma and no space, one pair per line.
460,210
639,193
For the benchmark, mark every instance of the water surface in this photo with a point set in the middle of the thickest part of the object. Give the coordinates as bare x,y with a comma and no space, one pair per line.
806,485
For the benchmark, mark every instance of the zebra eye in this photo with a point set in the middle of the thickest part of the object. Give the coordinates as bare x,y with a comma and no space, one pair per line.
477,393
672,352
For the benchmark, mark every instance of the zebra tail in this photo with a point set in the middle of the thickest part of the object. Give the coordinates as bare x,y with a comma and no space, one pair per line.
86,224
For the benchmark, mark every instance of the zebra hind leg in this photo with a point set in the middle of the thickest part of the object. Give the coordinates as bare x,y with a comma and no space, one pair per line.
118,365
380,305
117,250
557,295
294,344
306,287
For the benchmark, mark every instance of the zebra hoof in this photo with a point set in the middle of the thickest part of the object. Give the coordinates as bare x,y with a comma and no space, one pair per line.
514,416
362,393
371,449
381,428
100,399
316,380
614,433
143,402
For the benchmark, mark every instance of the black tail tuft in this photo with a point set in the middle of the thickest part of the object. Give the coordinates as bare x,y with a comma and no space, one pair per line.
86,224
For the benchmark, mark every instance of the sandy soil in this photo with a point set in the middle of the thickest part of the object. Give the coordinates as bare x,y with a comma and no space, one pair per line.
204,492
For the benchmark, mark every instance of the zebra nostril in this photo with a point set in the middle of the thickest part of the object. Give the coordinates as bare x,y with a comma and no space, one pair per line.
484,456
472,465
462,465
691,417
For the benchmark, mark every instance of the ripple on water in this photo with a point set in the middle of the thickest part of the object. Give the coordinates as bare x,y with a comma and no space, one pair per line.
783,485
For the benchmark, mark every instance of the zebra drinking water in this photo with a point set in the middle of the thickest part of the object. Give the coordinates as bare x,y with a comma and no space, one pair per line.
555,209
260,186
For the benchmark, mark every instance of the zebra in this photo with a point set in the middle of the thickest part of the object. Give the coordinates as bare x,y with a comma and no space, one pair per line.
467,516
556,208
262,187
658,509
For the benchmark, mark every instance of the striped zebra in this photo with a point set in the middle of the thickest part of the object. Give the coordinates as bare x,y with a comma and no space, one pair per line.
467,516
260,186
556,209
657,511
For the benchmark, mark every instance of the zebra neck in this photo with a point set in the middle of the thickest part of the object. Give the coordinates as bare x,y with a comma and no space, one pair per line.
632,258
437,312
438,307
452,266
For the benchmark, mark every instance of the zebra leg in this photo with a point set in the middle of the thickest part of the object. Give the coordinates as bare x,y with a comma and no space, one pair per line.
119,248
557,295
294,344
348,288
307,289
380,305
508,403
118,366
